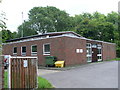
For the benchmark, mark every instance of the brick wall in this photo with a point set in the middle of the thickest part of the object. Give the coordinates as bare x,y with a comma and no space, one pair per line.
71,56
56,48
109,51
64,48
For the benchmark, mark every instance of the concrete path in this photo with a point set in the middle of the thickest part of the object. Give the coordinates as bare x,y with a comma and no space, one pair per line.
42,72
94,75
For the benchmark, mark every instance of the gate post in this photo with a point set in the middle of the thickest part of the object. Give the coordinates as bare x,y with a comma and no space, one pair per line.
1,72
9,72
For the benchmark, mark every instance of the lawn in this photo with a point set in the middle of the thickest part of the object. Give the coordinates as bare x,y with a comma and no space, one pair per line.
42,83
116,59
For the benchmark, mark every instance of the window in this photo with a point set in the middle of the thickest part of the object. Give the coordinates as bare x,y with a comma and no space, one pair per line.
99,54
46,49
34,49
15,50
24,50
99,51
88,45
89,52
94,46
99,57
89,59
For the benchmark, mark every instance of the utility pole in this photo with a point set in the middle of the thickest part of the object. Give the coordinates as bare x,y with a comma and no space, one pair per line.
22,25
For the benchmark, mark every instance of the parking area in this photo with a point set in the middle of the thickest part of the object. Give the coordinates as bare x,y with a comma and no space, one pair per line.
94,75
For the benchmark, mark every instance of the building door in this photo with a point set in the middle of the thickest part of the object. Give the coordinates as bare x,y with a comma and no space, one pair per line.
99,53
94,54
89,52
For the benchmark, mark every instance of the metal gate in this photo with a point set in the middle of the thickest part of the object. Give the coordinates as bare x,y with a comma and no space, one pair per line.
23,72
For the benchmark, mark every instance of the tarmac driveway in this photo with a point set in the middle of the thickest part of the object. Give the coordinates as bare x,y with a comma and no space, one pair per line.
94,75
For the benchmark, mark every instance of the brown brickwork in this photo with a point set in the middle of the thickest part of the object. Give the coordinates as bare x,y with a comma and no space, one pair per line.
64,48
108,51
71,57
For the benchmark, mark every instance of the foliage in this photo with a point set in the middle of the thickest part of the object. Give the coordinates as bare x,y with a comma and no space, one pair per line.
7,35
51,19
4,33
2,21
2,27
95,27
47,19
100,27
26,30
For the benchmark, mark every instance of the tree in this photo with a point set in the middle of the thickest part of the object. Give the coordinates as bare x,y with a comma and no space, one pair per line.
106,31
26,30
7,35
118,37
2,27
47,19
95,27
2,21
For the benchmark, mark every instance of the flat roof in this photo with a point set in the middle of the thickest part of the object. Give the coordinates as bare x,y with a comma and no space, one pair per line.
54,34
44,34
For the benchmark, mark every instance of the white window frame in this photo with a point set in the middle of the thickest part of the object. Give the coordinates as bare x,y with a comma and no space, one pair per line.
45,53
99,55
13,51
87,54
90,45
33,53
23,54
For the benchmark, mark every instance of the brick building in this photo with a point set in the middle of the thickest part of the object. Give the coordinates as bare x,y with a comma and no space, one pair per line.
68,46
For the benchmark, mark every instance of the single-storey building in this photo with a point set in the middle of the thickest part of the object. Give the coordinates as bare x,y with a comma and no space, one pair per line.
67,46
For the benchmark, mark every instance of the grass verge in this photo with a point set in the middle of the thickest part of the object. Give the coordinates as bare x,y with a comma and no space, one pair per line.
116,59
5,79
42,83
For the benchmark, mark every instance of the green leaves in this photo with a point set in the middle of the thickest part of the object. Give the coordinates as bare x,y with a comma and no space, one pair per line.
94,26
7,35
26,29
48,19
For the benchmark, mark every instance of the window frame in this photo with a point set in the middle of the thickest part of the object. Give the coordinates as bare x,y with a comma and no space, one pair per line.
33,53
23,54
89,52
99,53
46,53
13,51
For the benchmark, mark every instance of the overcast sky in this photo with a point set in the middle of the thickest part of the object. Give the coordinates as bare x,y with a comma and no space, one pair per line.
14,8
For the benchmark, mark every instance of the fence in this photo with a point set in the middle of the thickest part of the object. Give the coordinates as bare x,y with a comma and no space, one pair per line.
22,72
